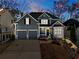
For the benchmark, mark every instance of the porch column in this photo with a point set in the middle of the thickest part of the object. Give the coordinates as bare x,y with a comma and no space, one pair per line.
15,31
38,33
27,35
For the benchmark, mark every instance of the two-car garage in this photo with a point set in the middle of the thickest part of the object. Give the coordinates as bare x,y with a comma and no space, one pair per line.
27,34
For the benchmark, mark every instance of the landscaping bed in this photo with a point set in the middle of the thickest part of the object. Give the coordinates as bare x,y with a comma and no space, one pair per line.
55,51
3,46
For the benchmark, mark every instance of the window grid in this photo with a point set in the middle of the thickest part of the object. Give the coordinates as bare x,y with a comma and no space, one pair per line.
44,21
58,30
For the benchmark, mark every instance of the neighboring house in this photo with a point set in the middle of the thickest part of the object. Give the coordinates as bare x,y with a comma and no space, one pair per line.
72,29
6,24
39,24
77,34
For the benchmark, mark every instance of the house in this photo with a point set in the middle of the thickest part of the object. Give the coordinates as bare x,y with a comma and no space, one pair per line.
72,29
77,34
39,24
6,24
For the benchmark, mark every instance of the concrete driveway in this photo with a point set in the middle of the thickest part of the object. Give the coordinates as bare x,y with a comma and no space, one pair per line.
22,49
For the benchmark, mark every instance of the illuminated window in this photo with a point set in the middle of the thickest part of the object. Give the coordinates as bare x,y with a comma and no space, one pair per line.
42,30
58,31
27,21
44,21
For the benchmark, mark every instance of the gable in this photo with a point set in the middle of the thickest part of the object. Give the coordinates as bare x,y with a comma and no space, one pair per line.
48,15
36,14
31,19
57,23
44,15
28,16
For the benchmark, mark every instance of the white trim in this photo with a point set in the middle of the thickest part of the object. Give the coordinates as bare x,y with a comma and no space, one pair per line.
56,22
44,21
27,35
58,31
15,30
46,30
29,16
27,30
21,17
38,35
43,14
33,17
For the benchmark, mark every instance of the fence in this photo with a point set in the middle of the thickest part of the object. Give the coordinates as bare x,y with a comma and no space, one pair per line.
5,36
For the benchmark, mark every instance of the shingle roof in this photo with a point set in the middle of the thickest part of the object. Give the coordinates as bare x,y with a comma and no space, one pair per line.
71,22
53,16
37,14
53,21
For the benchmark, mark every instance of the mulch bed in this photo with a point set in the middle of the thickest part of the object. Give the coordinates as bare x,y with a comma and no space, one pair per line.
53,51
4,46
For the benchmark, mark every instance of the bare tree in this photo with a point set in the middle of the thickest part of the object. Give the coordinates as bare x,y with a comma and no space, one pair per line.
12,4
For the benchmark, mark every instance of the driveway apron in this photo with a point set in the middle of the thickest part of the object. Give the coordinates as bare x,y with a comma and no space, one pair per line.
22,49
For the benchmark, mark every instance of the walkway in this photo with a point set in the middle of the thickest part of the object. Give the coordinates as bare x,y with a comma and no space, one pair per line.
22,49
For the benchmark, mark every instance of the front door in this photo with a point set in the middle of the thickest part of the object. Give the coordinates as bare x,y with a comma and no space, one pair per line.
47,33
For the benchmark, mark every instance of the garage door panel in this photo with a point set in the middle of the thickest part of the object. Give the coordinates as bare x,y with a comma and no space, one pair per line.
32,34
22,35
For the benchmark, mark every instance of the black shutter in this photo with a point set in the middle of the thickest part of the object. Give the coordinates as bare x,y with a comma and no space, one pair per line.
29,21
48,22
40,20
24,21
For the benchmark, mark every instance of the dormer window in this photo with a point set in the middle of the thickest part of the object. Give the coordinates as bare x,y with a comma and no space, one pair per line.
44,21
27,21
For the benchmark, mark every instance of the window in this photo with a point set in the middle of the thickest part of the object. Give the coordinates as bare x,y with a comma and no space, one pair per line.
44,21
27,21
58,30
42,31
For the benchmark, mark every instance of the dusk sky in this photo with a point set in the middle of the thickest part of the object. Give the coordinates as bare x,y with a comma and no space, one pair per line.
45,4
38,5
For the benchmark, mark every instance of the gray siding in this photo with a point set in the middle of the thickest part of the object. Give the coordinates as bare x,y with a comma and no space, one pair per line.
27,26
32,25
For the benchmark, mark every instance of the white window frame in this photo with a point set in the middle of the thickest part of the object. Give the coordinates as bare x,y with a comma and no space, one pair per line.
27,21
44,21
58,31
